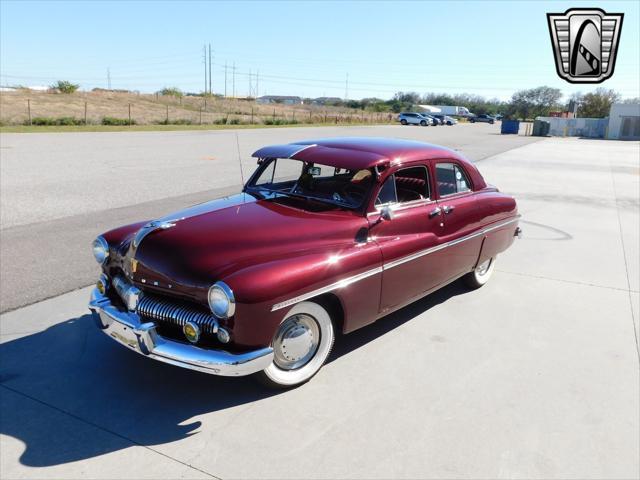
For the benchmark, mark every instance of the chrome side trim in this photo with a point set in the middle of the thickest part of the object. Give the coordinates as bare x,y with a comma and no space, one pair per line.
386,266
427,251
334,286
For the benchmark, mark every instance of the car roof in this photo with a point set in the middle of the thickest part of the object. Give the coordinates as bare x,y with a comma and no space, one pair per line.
356,153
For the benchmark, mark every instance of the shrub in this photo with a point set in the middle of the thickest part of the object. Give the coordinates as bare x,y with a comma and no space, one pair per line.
177,121
280,121
220,121
233,121
40,121
117,121
171,91
64,86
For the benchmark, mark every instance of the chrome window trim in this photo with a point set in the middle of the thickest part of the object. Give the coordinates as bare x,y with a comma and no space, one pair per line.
387,266
403,206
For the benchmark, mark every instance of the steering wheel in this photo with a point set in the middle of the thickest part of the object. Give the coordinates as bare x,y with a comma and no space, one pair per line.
353,193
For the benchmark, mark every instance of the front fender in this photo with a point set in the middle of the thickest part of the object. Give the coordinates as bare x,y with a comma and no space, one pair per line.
265,292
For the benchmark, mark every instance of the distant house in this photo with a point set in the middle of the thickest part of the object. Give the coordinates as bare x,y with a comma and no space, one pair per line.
327,101
284,99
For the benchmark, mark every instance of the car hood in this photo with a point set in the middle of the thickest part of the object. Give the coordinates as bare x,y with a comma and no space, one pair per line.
210,241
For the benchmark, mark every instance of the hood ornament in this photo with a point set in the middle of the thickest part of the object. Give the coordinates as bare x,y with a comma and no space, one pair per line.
152,227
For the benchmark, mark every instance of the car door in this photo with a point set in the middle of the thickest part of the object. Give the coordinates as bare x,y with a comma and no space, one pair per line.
406,239
460,217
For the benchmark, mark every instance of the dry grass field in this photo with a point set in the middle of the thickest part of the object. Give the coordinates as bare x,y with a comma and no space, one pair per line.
18,107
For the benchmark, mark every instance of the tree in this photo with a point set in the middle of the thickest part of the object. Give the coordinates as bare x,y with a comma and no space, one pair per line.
403,101
535,102
597,103
171,91
64,86
631,100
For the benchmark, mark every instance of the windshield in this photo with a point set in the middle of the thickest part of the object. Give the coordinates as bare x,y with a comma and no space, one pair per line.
313,182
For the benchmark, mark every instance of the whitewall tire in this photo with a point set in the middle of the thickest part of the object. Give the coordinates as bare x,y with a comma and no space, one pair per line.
301,346
481,274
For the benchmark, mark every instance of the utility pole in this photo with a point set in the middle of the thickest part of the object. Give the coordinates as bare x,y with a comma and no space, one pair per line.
346,88
249,83
234,79
204,59
108,78
257,83
210,81
225,79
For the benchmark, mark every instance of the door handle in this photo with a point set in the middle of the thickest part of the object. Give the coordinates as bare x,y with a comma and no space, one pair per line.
435,212
448,209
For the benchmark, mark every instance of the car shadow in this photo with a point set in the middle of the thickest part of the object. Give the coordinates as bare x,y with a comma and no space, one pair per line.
70,378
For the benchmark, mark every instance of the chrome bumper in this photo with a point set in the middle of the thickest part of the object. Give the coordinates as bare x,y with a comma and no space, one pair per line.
127,329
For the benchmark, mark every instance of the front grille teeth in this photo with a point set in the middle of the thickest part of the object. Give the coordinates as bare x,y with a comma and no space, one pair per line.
166,310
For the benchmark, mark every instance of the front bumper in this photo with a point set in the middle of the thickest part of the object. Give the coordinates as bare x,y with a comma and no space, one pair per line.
127,329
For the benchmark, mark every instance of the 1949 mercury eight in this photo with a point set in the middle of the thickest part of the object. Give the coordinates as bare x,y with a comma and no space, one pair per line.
326,236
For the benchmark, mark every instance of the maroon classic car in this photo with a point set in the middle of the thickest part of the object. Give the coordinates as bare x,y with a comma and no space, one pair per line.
327,236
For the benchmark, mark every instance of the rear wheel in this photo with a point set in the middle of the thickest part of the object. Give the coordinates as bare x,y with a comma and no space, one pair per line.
403,121
480,275
301,346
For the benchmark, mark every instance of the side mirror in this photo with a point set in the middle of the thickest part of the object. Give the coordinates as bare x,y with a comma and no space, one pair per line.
386,213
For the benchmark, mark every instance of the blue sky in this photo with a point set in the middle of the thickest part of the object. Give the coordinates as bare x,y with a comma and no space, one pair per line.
300,48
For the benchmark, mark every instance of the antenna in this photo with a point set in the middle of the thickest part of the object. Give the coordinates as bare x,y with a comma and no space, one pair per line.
239,159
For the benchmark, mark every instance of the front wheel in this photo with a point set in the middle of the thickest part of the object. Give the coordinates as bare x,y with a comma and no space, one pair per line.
301,346
480,275
423,123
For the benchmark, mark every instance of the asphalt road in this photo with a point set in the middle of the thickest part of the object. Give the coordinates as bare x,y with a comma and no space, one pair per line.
535,375
59,190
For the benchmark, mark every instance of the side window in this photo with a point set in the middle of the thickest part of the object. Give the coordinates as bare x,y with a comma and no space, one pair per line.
405,185
412,184
451,179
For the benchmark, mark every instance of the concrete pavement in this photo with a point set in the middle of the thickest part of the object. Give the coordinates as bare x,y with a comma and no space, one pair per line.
535,375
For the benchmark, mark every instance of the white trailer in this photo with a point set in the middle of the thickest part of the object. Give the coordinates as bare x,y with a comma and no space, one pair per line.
448,110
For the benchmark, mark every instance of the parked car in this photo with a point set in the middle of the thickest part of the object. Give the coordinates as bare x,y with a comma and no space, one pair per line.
445,119
482,118
326,236
436,120
412,118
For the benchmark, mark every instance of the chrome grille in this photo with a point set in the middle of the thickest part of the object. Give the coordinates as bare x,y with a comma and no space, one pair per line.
166,310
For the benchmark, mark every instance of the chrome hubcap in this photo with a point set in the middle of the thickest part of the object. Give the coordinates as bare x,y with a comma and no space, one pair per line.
296,342
483,268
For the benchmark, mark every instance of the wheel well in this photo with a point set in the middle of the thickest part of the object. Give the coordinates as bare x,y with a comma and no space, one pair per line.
333,305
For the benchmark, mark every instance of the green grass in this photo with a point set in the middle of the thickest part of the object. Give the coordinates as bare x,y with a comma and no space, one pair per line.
158,128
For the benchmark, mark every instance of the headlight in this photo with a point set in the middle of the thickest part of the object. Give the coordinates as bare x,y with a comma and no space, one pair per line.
221,300
100,249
